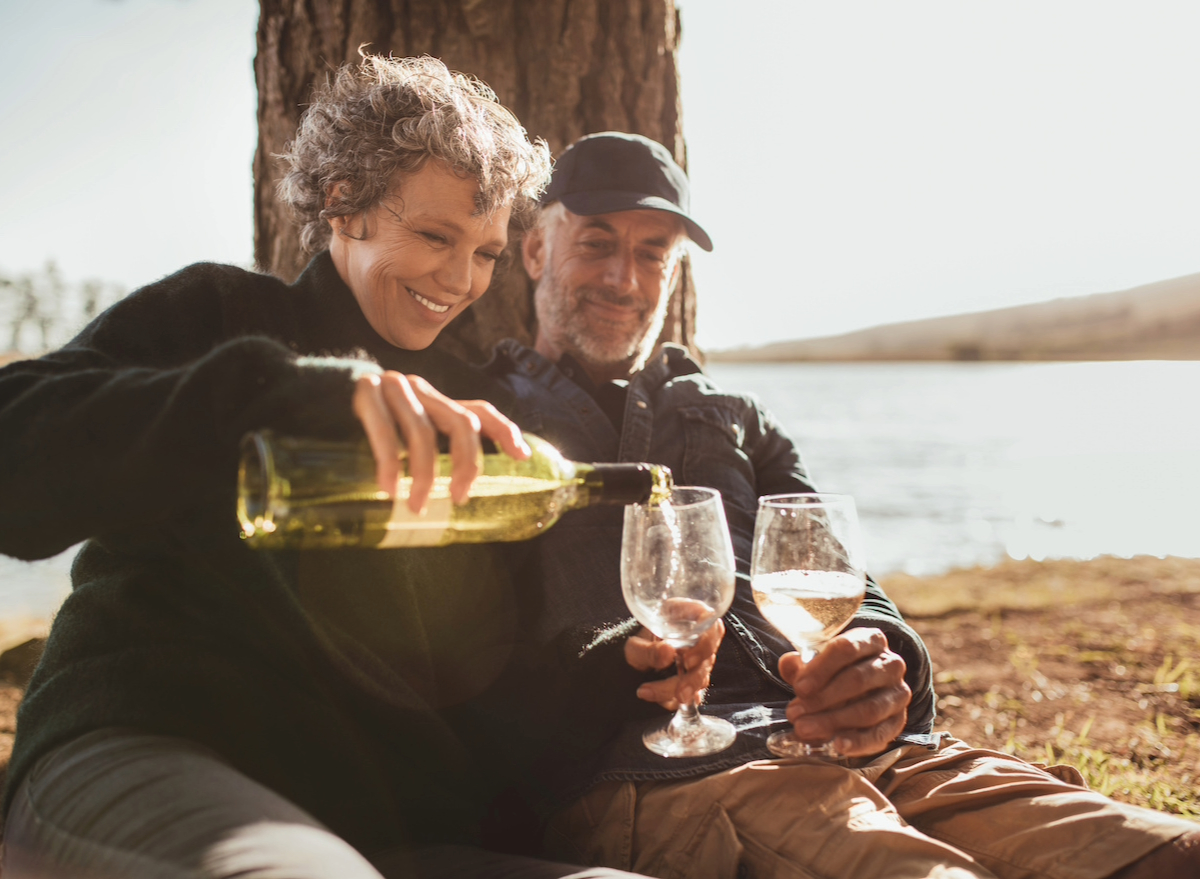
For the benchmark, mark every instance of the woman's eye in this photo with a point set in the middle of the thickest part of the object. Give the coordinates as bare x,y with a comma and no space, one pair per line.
434,237
490,257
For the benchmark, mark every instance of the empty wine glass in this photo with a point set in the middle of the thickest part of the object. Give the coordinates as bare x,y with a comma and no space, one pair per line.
677,574
808,578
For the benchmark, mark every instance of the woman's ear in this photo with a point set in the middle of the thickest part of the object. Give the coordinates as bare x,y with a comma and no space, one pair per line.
337,223
533,252
335,192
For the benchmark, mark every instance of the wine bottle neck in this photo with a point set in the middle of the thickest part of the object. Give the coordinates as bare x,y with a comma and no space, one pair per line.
623,483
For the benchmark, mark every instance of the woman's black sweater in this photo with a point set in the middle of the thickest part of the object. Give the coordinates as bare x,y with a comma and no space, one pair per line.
370,687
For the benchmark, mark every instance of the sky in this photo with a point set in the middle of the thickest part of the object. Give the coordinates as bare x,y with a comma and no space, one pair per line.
856,163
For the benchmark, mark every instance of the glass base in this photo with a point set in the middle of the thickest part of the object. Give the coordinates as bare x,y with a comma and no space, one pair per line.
707,735
785,744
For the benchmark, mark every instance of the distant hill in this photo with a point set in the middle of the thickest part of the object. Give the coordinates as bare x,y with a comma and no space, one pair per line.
1158,321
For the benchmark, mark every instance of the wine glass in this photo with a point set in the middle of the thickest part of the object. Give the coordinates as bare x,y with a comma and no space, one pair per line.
808,579
677,575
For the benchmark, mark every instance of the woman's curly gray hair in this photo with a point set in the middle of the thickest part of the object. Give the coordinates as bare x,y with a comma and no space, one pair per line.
388,116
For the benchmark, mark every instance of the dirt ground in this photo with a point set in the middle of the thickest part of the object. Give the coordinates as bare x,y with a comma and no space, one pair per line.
1092,663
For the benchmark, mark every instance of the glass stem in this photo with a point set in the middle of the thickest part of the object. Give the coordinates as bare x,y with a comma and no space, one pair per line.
688,715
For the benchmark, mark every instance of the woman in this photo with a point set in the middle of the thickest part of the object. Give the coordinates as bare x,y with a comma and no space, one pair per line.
206,710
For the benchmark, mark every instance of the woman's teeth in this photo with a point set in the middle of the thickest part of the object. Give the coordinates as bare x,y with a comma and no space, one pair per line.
432,306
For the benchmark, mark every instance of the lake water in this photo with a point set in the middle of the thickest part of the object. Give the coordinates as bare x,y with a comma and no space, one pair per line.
955,465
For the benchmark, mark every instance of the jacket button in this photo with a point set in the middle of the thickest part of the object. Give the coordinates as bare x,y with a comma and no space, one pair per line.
641,404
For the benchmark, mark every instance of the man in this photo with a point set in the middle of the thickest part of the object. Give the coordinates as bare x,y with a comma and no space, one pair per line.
903,802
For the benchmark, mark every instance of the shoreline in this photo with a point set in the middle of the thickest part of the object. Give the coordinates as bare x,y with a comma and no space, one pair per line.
1010,584
1030,585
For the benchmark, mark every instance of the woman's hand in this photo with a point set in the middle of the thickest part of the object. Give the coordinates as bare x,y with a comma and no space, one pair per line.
852,693
405,411
645,652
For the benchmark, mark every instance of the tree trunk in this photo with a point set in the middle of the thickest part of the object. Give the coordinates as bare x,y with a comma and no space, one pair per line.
566,68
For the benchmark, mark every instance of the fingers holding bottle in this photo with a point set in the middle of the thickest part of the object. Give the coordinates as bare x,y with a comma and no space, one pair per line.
394,421
404,414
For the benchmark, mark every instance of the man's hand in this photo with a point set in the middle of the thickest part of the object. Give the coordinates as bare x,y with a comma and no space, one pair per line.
644,651
405,411
852,693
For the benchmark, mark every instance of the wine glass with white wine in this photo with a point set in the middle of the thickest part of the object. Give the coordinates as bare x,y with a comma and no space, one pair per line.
677,574
808,577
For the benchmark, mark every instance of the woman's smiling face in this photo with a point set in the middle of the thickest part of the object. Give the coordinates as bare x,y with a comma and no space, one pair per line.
420,256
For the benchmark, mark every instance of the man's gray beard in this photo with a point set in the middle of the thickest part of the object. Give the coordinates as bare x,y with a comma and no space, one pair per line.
602,352
574,330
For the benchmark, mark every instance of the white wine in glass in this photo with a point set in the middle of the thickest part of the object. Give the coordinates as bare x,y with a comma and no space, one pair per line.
808,577
677,575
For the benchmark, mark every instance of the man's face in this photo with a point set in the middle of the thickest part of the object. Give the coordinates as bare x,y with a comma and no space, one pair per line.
602,286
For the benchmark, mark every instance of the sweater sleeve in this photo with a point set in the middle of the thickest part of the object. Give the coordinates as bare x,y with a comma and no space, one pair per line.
140,416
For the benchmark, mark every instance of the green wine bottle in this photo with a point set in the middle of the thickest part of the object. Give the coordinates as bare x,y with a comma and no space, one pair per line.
299,493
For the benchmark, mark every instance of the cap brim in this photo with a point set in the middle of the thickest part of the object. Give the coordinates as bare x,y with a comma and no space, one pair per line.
588,204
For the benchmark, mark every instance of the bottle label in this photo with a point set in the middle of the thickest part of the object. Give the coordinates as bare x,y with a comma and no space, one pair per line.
406,528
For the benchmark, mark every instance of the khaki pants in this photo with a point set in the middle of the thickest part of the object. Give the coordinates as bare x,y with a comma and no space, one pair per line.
910,812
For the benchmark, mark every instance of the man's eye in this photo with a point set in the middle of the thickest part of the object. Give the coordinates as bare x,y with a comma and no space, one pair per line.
434,237
489,256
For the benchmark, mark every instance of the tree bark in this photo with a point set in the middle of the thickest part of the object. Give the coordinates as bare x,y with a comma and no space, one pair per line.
566,68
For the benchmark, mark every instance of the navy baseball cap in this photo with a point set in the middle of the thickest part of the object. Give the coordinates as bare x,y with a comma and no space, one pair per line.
613,171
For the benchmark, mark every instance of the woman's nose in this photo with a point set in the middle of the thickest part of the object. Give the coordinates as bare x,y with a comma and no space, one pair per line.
455,275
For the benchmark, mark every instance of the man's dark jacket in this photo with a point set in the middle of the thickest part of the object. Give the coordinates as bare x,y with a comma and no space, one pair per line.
672,413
